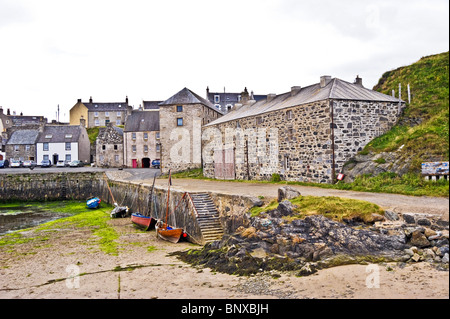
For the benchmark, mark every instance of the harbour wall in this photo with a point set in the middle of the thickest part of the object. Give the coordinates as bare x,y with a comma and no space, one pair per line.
137,196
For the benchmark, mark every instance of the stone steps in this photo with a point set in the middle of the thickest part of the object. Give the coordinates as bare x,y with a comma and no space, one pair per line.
207,217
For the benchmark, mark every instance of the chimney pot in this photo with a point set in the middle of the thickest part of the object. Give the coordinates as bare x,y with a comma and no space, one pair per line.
79,101
295,90
358,81
270,97
90,99
324,80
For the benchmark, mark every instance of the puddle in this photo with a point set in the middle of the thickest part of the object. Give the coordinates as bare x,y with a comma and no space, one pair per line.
17,218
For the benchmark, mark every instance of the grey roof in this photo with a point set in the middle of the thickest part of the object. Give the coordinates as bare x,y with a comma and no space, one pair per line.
23,137
335,89
186,96
108,107
151,105
59,134
142,121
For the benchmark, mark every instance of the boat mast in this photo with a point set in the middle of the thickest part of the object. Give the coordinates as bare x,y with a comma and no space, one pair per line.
168,195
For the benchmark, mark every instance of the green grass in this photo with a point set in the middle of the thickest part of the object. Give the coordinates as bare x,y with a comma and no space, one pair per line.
83,217
428,141
335,208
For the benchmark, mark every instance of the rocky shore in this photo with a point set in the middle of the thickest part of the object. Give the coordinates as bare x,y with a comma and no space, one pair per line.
272,242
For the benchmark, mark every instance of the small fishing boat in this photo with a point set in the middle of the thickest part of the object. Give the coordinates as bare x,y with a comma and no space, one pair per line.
119,211
93,202
169,233
144,222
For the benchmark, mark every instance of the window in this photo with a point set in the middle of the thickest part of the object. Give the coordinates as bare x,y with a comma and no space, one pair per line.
157,135
45,146
68,146
103,147
116,158
48,136
45,158
96,114
289,115
27,148
106,113
119,114
107,122
216,98
133,148
68,136
16,148
118,122
180,121
115,147
68,158
145,136
97,122
133,136
180,108
158,147
286,162
145,148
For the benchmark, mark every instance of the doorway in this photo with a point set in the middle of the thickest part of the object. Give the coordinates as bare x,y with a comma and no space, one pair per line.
134,163
55,158
146,162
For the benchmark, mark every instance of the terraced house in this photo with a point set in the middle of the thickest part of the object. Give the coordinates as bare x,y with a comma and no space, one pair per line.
306,134
100,113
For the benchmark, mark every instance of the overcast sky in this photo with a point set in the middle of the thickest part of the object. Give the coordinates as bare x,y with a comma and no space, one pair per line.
55,52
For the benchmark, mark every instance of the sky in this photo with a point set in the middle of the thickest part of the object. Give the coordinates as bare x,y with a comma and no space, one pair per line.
54,52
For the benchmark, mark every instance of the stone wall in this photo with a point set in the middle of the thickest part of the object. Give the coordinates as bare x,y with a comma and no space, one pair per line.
181,145
298,142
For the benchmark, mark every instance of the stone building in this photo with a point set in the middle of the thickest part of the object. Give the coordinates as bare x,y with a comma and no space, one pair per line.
109,147
306,134
141,139
22,145
100,113
225,101
181,119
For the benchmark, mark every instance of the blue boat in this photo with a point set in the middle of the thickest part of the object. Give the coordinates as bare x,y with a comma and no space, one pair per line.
93,202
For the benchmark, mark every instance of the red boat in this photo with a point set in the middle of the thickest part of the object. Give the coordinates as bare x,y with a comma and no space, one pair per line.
168,233
144,222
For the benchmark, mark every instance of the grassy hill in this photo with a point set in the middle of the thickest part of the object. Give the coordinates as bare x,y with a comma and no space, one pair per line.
423,129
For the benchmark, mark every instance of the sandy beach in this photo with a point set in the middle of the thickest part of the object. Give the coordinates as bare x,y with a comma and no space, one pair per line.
143,270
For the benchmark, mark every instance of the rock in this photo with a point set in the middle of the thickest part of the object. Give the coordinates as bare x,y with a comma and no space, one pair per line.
256,202
429,233
424,222
441,251
445,259
377,218
392,216
307,270
285,208
287,192
419,239
414,249
409,252
429,254
409,219
415,258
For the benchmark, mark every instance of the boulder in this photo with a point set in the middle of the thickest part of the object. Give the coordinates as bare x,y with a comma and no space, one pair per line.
409,219
419,239
424,222
285,208
445,259
287,192
392,216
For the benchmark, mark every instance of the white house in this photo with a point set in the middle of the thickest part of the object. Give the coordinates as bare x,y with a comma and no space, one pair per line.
63,142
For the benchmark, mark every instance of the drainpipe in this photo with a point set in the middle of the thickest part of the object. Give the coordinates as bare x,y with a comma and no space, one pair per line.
333,172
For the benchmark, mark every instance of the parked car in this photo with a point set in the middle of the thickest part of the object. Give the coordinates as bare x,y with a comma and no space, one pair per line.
4,164
156,163
76,163
46,163
30,164
16,163
61,163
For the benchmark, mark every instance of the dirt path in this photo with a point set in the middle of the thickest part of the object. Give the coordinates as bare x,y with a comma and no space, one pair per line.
143,270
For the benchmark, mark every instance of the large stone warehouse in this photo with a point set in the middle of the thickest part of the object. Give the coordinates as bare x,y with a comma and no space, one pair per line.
306,134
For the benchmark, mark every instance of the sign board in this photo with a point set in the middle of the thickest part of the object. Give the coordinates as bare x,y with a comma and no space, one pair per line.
340,177
435,168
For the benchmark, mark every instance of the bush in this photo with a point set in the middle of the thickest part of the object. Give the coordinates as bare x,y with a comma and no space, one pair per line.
275,178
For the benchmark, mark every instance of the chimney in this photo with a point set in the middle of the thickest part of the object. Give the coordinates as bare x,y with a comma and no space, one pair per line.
1,109
358,81
90,99
79,101
207,92
324,80
270,97
8,112
244,96
126,100
295,90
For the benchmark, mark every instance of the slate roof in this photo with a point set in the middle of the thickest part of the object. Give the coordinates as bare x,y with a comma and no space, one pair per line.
335,89
151,105
58,134
23,137
186,96
142,121
106,107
